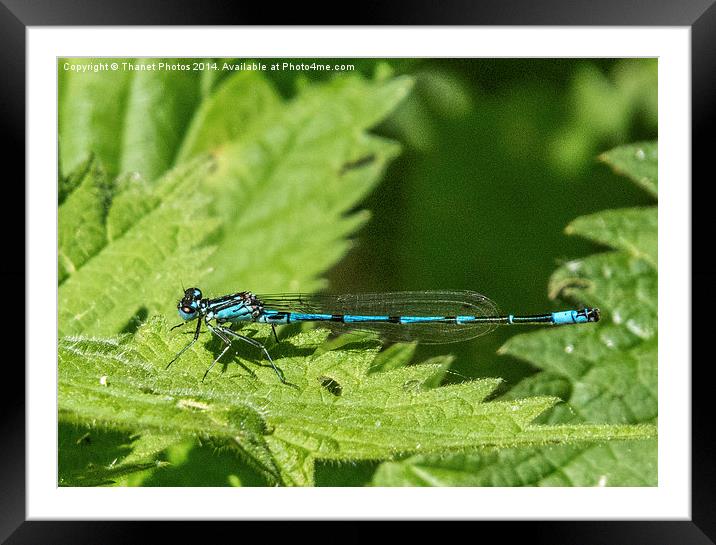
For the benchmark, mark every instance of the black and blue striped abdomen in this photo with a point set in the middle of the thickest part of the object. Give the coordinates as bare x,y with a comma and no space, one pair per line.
277,317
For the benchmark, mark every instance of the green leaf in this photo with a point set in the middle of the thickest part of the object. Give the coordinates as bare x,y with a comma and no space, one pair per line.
633,230
555,466
132,119
158,111
196,463
85,198
228,113
637,161
393,357
282,429
89,456
286,188
601,109
307,161
137,271
606,373
90,114
148,237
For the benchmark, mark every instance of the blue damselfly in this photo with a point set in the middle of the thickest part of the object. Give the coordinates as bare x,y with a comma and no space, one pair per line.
428,317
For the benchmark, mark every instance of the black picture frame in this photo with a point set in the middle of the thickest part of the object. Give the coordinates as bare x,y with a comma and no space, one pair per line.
699,15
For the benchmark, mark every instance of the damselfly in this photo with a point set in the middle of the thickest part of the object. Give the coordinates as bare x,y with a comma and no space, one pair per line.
429,317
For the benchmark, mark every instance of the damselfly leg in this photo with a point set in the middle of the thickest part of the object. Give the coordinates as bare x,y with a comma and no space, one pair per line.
253,342
224,334
196,336
227,345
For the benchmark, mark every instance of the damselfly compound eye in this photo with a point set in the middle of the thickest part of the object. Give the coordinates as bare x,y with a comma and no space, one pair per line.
192,293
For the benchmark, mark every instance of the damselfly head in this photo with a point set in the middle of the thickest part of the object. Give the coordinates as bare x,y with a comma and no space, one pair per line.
190,303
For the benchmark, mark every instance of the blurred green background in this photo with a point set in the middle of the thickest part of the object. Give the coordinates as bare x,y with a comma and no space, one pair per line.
499,155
